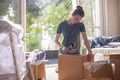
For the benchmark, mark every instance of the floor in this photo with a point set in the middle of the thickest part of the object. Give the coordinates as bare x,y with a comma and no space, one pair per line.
51,65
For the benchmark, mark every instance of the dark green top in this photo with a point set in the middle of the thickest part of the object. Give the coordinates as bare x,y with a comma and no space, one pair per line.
71,35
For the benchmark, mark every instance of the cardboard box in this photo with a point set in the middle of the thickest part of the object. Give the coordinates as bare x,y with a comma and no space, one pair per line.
70,67
98,79
114,56
117,72
115,60
85,73
109,70
39,71
104,71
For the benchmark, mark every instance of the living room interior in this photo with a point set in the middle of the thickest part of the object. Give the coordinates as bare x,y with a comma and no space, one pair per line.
39,19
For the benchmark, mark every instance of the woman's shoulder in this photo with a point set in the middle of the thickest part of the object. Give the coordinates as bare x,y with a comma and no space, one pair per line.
63,22
81,24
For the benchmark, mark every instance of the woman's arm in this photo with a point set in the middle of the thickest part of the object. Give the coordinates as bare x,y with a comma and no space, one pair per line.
87,44
57,36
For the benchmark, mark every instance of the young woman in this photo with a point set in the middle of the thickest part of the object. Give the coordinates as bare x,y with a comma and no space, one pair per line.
71,29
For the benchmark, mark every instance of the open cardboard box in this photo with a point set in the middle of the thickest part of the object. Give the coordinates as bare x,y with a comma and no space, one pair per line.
103,69
115,59
98,70
71,67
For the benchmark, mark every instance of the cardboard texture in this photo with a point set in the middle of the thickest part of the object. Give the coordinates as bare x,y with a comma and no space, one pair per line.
115,59
98,79
105,71
39,71
86,74
117,72
70,67
114,56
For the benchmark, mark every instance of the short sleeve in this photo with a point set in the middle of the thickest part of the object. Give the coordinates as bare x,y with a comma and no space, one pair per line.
59,29
82,27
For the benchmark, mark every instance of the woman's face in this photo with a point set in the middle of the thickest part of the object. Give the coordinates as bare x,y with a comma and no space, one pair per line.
76,19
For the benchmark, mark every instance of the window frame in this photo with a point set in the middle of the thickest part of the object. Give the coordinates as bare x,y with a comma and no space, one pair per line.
101,26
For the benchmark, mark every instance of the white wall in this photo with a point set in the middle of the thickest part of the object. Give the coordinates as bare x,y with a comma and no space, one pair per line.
119,16
112,18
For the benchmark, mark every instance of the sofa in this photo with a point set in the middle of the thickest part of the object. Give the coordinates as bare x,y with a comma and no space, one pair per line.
105,45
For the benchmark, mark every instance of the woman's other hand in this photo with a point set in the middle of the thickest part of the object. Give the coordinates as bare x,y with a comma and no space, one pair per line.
90,56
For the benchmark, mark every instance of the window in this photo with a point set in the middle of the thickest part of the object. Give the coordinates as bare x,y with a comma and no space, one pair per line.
92,17
42,19
9,10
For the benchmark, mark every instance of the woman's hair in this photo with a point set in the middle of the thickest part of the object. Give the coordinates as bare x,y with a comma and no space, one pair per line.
78,11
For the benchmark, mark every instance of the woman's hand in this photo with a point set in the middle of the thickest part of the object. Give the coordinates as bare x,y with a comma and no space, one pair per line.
90,56
64,49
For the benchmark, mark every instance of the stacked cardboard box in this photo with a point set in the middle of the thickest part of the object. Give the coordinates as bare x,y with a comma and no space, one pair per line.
115,56
115,59
72,67
104,71
109,70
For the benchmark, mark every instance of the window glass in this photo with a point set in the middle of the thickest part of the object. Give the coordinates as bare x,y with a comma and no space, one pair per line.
9,10
92,16
42,19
